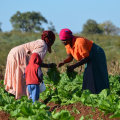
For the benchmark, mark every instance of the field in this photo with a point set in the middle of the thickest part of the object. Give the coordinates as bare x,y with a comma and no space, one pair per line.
63,93
63,98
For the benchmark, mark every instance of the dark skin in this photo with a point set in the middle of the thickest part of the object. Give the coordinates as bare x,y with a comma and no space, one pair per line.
70,58
67,60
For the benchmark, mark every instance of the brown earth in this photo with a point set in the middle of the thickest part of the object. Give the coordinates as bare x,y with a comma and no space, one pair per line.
77,110
4,115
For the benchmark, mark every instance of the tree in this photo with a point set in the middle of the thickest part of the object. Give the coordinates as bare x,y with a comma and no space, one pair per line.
0,27
109,28
28,21
91,27
52,27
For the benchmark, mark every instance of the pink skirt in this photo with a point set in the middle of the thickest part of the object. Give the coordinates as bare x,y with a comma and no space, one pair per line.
14,80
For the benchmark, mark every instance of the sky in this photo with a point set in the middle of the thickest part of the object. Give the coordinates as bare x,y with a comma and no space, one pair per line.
72,14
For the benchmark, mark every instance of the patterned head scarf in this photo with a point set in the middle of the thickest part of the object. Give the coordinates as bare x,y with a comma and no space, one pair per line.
65,34
48,36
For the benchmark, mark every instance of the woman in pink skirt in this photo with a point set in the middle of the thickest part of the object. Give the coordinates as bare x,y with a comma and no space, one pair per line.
18,58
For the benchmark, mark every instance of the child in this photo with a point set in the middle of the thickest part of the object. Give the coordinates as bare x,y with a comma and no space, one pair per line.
34,76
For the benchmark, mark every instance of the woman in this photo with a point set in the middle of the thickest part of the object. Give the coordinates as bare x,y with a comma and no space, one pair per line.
18,58
86,52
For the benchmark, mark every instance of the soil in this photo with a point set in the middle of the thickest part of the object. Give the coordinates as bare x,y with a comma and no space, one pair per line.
4,115
78,110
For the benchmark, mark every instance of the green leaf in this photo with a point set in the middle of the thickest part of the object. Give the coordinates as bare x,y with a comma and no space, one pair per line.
63,115
115,115
82,117
22,118
15,113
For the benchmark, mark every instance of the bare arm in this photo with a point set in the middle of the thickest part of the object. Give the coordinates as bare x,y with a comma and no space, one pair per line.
67,60
81,62
44,65
51,65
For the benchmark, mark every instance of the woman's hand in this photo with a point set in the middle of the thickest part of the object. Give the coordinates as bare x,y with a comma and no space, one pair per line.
60,64
70,68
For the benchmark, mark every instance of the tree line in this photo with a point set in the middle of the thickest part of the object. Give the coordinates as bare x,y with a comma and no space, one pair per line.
33,21
29,22
107,28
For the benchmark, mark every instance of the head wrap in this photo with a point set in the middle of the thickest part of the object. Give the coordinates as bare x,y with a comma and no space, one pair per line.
48,36
65,34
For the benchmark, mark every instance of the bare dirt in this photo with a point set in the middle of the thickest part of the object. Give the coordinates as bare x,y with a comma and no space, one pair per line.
78,110
4,115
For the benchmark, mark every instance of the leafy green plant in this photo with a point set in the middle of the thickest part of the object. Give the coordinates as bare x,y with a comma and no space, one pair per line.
63,115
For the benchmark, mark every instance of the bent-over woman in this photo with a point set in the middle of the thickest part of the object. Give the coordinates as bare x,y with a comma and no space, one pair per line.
18,58
86,52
